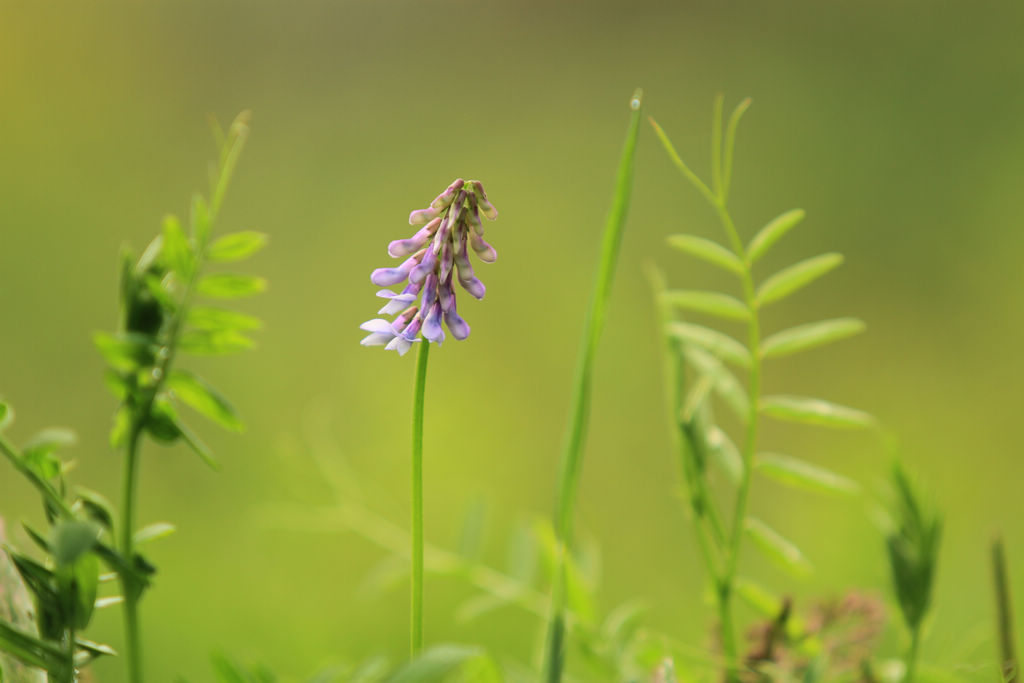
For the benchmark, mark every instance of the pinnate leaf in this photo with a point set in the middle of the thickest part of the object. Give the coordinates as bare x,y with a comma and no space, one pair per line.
803,337
772,233
797,276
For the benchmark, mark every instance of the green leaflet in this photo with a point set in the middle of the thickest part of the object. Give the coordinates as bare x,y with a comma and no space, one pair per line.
777,548
795,277
196,393
809,336
802,474
772,233
712,303
713,341
814,411
230,285
236,246
707,250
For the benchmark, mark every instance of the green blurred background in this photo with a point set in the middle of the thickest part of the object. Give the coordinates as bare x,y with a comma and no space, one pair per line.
897,126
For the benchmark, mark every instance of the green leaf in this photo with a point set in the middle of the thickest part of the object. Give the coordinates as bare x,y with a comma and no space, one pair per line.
799,275
236,246
717,343
97,507
230,285
204,399
6,415
809,336
802,474
709,251
724,381
177,252
772,233
725,453
214,342
758,598
127,351
153,532
38,453
711,303
218,319
81,585
779,549
71,539
30,649
436,664
814,411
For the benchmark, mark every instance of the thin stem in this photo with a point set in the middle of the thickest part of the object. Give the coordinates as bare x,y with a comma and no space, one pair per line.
716,144
1004,610
915,644
572,454
416,627
129,584
69,663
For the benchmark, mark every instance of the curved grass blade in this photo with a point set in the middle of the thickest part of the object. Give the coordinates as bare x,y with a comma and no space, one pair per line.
804,475
711,303
772,232
730,145
717,343
815,411
797,276
809,336
776,547
707,250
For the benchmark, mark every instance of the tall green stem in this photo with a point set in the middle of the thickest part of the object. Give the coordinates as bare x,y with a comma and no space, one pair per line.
416,627
129,586
572,454
1004,613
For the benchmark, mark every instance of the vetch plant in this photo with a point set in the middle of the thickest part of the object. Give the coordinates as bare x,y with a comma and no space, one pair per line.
697,360
159,318
435,256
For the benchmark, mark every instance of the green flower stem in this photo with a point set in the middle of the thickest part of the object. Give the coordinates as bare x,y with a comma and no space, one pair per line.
572,455
911,665
416,627
129,584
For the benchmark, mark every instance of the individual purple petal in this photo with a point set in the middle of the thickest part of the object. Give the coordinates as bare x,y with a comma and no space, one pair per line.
486,208
380,332
459,327
445,294
429,292
473,217
485,251
413,328
457,208
432,330
443,235
423,216
419,273
398,303
401,323
400,248
386,277
473,286
444,200
447,260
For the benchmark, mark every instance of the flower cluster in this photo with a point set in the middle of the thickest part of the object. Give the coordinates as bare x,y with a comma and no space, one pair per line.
436,255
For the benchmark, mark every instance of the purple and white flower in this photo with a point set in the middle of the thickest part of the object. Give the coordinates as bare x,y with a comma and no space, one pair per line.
435,255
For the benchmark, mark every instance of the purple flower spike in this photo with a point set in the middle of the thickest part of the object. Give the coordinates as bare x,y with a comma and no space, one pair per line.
438,254
485,251
432,330
459,327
